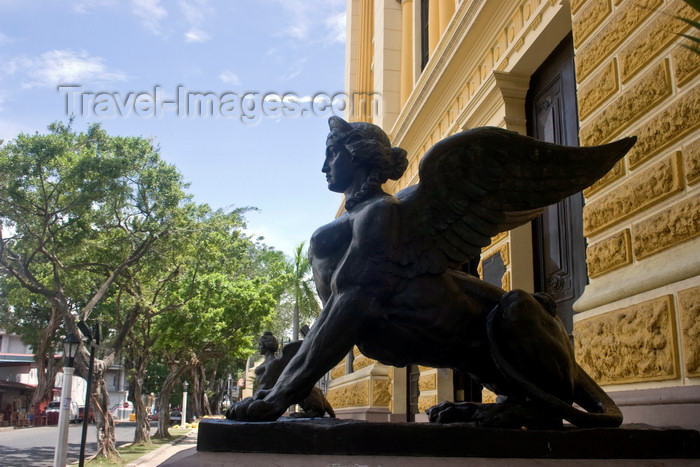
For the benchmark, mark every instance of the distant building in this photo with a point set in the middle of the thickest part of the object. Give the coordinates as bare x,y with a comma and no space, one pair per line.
622,259
18,379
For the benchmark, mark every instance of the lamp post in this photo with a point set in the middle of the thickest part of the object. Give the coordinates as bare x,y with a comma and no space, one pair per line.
183,416
70,348
94,337
228,391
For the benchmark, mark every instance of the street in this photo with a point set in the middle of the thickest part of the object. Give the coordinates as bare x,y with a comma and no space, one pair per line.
35,446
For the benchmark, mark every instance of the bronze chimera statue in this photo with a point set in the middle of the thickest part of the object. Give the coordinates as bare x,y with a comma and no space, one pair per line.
388,274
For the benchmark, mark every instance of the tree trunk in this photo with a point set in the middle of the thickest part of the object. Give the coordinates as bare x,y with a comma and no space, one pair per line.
46,365
106,436
142,433
164,402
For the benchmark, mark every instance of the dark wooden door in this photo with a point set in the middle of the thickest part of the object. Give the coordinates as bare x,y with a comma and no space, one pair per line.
558,243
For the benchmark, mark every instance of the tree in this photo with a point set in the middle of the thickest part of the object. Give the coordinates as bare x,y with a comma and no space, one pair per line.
78,210
302,289
231,293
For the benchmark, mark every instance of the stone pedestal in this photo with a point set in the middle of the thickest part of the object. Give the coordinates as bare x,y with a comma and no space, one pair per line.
352,437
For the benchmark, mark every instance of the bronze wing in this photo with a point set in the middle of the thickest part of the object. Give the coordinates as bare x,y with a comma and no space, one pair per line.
480,182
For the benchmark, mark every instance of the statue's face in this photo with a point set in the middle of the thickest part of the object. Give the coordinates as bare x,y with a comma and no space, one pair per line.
338,166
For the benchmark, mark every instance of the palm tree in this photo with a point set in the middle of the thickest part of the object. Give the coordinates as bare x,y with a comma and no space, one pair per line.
694,40
303,289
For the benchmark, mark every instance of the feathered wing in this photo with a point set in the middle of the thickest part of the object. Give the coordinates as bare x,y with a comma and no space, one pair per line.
480,182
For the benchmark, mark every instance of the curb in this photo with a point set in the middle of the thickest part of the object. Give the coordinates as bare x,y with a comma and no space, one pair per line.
156,452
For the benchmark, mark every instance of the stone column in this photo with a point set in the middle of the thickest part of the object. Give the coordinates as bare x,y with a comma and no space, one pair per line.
433,25
447,9
364,61
406,50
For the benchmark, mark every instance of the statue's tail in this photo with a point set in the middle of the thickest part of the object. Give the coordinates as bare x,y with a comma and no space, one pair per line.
600,409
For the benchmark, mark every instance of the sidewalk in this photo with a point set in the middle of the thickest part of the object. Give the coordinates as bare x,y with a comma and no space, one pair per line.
182,447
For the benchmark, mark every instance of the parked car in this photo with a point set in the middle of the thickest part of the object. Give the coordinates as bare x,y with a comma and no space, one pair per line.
175,416
81,414
55,407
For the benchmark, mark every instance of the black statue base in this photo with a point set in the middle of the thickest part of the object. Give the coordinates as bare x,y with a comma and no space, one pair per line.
352,437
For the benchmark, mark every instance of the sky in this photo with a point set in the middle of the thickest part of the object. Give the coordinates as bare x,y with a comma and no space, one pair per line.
236,93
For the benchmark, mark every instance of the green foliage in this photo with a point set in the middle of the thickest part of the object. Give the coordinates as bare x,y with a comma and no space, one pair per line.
695,40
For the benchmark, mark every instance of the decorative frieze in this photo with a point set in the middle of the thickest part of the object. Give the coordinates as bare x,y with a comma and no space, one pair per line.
338,370
689,312
598,89
656,35
640,192
666,127
623,22
426,401
651,89
633,344
381,392
589,18
685,63
691,162
427,382
609,254
678,223
354,394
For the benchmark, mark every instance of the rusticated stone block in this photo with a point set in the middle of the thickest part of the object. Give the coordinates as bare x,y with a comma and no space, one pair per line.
691,162
623,22
598,89
349,395
637,343
686,63
428,382
616,173
589,18
654,37
609,254
667,127
338,370
381,392
677,224
360,362
488,397
689,311
576,4
651,89
649,187
425,402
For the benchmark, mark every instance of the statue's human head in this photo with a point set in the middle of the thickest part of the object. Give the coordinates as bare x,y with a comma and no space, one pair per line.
268,343
368,147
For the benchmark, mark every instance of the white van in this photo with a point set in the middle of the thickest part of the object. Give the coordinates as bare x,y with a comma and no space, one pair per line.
55,406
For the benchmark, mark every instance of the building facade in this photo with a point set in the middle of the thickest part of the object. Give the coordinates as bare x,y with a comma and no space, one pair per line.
622,259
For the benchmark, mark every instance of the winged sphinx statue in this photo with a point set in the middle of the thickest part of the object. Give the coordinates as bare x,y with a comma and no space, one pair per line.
267,373
388,274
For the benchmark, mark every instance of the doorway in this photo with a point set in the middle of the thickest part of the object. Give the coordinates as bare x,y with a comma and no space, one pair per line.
559,247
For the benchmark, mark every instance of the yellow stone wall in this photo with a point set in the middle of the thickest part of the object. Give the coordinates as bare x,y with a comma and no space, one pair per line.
638,324
641,220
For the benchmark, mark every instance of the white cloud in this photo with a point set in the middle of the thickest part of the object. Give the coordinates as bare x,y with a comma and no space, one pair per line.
61,67
150,12
84,6
335,25
305,18
4,39
229,77
196,35
196,13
